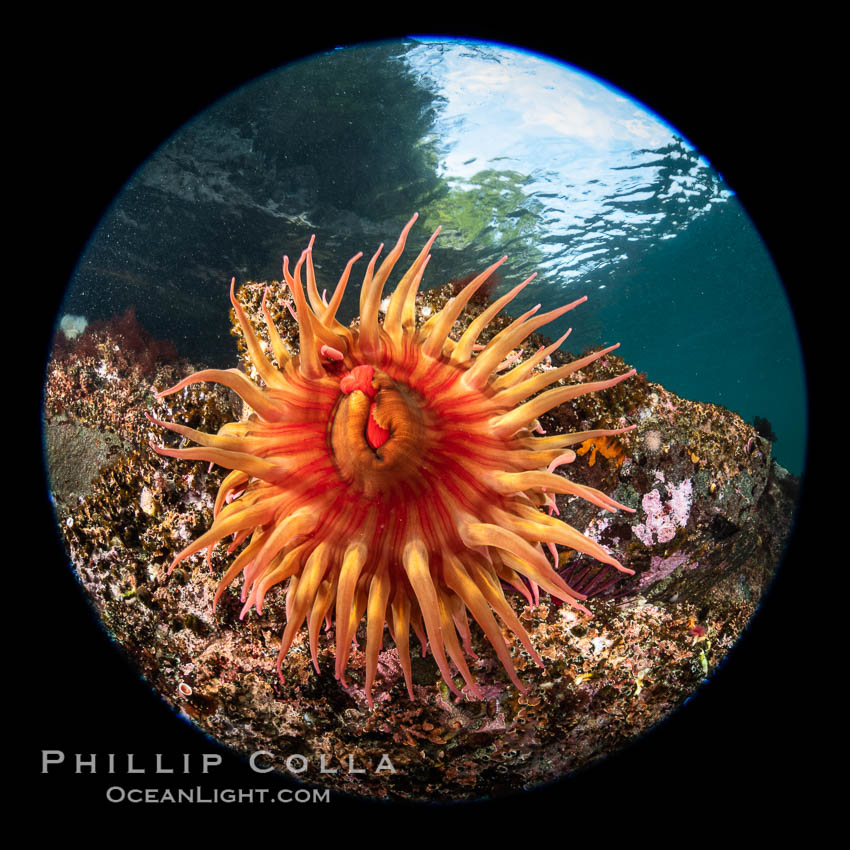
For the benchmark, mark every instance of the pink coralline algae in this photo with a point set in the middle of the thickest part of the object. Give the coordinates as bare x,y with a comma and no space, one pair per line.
664,517
660,568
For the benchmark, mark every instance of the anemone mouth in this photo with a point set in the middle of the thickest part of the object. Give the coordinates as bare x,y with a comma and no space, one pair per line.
377,433
393,472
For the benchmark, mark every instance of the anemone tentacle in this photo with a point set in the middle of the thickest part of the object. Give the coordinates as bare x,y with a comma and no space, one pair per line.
392,472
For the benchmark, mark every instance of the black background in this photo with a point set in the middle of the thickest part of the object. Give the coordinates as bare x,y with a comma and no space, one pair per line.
97,105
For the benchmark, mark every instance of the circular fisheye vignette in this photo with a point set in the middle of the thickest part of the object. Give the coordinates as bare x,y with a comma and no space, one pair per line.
400,415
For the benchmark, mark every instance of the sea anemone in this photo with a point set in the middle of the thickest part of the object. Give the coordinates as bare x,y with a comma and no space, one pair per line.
392,470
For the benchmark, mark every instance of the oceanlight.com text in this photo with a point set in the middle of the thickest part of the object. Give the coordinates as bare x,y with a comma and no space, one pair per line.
118,794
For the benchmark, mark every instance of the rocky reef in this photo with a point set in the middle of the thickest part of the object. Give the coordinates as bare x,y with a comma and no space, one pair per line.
712,514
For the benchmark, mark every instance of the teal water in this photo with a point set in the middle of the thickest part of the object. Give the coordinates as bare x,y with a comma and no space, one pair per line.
509,153
719,329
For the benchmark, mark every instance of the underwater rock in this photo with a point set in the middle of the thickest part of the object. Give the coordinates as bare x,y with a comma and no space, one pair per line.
76,455
713,511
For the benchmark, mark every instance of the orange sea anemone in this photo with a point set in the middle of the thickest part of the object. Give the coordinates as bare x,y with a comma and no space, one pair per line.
391,470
